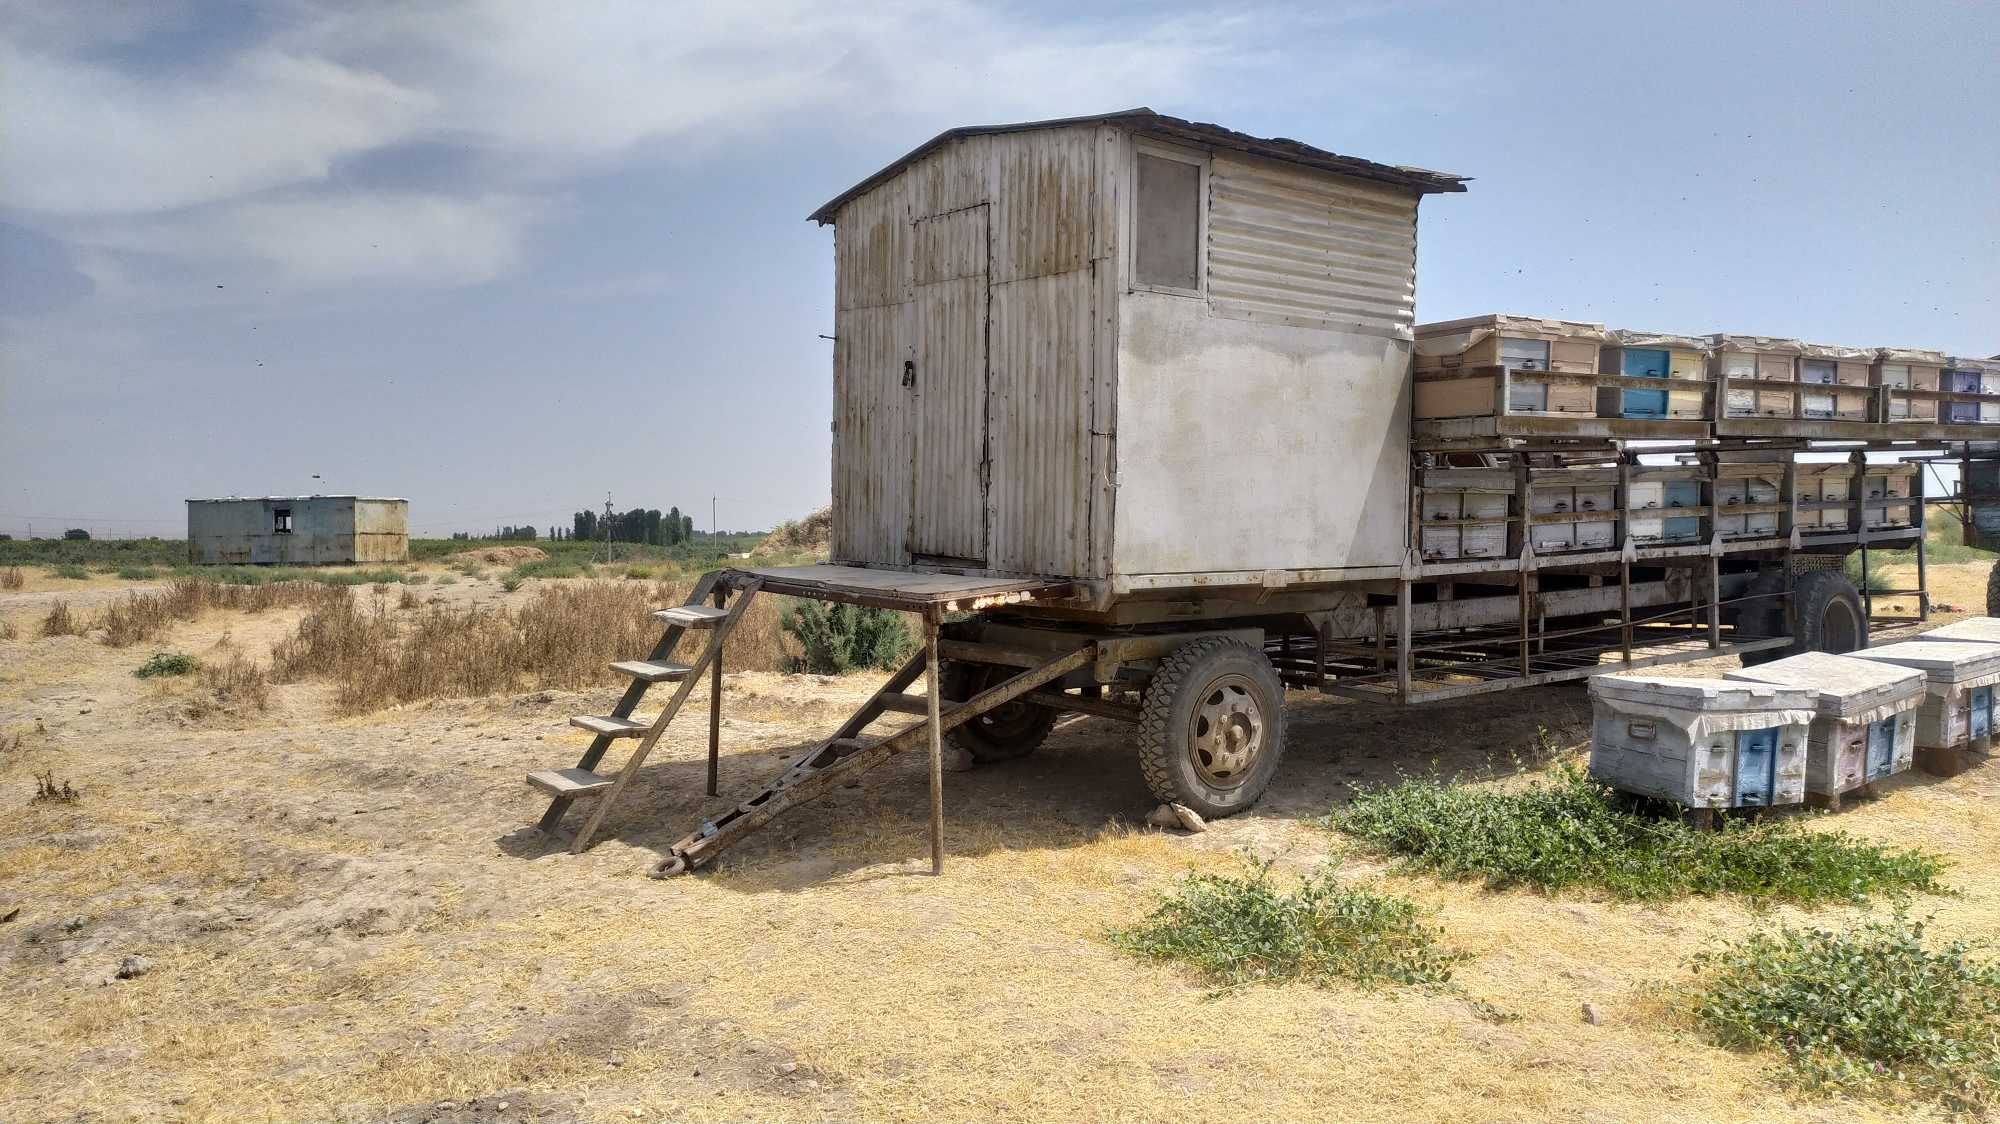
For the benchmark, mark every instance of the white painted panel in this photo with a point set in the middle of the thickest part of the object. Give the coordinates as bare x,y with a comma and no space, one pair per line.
1249,446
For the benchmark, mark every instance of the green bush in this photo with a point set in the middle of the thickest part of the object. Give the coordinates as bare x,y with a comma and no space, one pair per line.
1576,832
71,570
1240,929
546,568
167,664
510,583
837,638
1872,1009
1878,582
138,573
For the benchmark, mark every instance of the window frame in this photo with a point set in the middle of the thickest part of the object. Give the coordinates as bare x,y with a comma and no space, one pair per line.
281,520
1202,161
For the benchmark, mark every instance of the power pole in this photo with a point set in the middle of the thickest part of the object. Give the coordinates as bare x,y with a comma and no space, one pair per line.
712,536
607,528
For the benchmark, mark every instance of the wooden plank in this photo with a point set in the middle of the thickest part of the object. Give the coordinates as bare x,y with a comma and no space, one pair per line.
568,782
692,616
652,671
610,725
933,688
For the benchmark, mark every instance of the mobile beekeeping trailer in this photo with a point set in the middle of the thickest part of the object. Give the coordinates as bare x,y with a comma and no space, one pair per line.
1134,414
1864,725
1703,743
1957,711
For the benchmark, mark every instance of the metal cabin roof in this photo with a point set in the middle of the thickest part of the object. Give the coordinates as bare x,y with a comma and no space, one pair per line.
296,499
1159,124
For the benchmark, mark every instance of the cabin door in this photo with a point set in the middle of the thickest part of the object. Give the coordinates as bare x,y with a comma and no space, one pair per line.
945,380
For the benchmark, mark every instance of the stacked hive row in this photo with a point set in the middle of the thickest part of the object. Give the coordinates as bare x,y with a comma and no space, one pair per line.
1474,513
1516,366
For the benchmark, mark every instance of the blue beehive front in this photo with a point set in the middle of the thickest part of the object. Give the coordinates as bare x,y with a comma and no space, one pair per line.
1756,767
1646,363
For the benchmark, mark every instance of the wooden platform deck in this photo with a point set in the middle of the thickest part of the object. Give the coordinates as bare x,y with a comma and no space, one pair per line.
912,591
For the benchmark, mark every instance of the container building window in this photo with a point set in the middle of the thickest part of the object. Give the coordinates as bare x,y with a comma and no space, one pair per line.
281,520
1167,223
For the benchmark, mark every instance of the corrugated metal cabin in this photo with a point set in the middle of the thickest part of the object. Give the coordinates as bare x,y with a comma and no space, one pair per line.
298,530
1126,349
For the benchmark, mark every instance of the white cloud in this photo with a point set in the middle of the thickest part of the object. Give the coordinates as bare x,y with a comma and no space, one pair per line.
84,139
237,157
333,238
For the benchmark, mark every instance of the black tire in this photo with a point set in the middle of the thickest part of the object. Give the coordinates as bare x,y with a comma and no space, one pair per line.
1993,591
1830,617
1004,733
1763,616
1212,727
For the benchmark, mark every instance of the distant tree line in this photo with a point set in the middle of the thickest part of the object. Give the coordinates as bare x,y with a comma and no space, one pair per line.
640,525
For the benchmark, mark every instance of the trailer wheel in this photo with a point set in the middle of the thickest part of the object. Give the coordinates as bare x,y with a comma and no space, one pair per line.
1763,616
1009,730
1212,726
1829,613
1993,591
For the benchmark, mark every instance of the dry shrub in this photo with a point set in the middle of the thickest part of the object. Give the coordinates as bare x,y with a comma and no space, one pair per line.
238,680
408,599
62,622
142,616
12,578
565,637
7,631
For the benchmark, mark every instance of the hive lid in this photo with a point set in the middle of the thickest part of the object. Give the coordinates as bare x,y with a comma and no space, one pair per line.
1982,366
1943,661
1774,345
1846,686
1910,355
1981,630
1628,338
1701,694
1835,351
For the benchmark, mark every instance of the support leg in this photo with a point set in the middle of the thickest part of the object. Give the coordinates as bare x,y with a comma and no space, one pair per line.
931,689
715,709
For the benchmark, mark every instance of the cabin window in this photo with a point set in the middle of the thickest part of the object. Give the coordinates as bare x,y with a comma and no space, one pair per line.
1166,236
281,520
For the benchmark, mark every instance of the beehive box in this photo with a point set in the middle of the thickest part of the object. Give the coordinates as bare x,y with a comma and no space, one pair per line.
1883,486
1977,376
1911,376
1831,484
1971,630
1664,505
1750,496
1957,711
1680,362
1864,726
1845,374
1464,513
1573,509
1707,743
1745,369
1456,361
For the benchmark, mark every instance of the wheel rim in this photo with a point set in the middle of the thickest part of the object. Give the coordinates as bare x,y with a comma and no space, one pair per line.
1226,732
1839,628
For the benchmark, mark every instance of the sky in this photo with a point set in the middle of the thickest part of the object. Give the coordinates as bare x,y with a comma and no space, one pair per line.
507,258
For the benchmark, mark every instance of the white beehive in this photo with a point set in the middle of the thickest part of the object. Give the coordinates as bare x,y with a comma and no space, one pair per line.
1707,743
1973,630
1957,710
1866,725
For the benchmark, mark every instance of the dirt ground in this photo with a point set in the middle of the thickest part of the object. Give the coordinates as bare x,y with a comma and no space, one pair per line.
353,919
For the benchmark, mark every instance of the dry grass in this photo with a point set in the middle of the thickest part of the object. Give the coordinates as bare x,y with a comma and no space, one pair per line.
61,621
565,638
12,578
140,617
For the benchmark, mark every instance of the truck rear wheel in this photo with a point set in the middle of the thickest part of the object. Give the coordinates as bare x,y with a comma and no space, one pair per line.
1010,730
1829,612
1212,726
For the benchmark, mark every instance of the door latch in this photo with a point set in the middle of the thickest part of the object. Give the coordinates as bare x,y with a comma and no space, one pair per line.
909,372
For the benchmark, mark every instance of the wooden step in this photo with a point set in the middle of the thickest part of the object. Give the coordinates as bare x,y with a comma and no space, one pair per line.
693,616
651,671
611,725
908,704
568,782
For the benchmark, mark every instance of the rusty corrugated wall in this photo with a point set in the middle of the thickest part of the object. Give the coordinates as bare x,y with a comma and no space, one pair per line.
976,267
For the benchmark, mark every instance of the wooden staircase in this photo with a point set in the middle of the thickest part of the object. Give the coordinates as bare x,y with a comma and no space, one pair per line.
717,620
